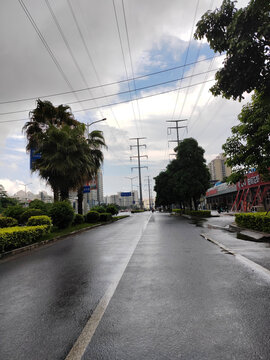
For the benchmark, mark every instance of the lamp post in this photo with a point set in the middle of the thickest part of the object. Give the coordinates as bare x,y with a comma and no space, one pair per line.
25,190
131,181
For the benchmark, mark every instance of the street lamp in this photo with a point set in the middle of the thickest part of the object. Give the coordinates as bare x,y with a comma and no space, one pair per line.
25,189
131,181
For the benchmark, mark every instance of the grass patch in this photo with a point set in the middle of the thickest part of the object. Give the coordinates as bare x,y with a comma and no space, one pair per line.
115,218
70,229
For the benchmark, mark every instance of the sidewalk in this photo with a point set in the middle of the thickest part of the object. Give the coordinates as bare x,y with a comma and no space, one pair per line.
253,245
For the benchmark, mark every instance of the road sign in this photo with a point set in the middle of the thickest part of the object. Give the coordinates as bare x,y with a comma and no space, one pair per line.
123,194
86,189
33,157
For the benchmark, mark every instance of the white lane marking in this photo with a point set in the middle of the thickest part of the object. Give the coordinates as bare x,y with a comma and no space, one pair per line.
88,331
251,264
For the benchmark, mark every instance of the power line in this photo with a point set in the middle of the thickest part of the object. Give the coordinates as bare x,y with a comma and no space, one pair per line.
121,92
88,54
32,21
123,56
69,49
131,62
140,98
107,84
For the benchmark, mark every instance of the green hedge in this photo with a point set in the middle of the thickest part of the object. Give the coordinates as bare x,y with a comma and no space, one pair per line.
105,216
6,221
29,213
16,237
178,211
92,216
78,219
199,213
39,220
254,221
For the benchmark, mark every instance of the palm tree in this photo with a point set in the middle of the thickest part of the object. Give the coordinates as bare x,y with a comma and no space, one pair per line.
95,143
43,116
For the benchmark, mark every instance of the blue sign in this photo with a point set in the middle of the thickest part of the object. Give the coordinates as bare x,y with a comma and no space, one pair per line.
123,194
86,189
33,157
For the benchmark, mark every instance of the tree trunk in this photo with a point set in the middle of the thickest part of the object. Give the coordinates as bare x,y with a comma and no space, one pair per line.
64,194
80,200
55,194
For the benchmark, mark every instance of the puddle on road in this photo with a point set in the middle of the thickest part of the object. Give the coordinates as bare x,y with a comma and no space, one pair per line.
198,222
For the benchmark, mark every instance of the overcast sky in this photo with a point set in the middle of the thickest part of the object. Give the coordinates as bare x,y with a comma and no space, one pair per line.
60,50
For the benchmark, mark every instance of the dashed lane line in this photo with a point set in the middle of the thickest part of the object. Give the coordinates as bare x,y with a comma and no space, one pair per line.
88,331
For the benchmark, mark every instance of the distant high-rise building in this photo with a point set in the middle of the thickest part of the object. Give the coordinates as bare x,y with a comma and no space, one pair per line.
218,169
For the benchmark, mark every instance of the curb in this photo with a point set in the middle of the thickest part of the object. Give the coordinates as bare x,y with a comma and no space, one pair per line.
45,242
251,264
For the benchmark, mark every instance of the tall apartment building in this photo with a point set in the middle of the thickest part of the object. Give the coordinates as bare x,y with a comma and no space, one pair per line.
218,169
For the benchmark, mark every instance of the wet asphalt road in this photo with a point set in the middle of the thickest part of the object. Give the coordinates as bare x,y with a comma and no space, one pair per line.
180,296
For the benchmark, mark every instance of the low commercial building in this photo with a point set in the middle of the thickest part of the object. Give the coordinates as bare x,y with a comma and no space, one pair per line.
251,194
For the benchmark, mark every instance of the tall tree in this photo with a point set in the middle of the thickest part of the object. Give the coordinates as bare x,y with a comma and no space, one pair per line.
186,178
249,145
244,35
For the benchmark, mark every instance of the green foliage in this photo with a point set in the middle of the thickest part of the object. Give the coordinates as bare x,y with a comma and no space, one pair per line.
249,145
105,216
67,158
14,211
111,208
39,204
254,221
199,213
62,214
244,35
92,216
178,211
78,219
6,201
7,222
28,213
39,220
186,178
99,208
15,237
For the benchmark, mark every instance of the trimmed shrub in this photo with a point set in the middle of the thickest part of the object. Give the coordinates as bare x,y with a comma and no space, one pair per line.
16,237
39,220
178,211
100,209
6,221
62,214
105,216
78,219
14,211
112,209
254,221
92,216
199,213
39,204
28,213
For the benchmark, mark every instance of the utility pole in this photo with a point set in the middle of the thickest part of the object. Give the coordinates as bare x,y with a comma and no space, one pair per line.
176,127
149,193
139,167
25,191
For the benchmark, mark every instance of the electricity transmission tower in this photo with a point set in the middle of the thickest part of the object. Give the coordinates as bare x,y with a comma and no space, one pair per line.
139,167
